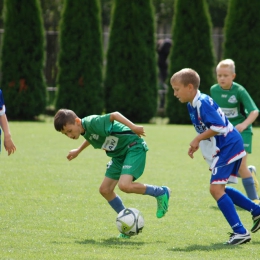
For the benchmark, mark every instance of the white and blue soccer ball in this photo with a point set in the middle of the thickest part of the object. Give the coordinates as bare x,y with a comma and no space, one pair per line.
130,221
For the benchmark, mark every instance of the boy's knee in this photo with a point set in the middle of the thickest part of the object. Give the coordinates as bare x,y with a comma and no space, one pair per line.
124,187
104,191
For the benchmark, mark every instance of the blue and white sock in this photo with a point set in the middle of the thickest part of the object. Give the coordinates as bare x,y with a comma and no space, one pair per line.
117,204
242,201
227,207
154,191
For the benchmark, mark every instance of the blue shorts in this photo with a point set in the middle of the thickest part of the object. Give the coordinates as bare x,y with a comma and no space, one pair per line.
226,173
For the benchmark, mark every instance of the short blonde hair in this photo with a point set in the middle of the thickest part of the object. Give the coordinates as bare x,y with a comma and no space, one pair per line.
227,63
186,76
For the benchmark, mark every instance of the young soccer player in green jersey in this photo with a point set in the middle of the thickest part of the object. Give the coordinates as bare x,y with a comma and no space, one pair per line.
233,99
121,140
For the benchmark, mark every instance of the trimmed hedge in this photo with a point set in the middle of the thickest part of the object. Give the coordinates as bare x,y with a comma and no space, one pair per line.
22,59
192,48
242,43
80,58
131,72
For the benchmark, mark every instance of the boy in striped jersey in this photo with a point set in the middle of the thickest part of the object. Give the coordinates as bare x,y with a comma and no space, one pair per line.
222,147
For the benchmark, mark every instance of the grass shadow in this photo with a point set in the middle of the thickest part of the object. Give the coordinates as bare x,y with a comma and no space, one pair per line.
114,242
216,208
206,248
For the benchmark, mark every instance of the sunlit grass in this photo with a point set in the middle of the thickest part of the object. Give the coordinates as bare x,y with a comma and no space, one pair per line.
51,208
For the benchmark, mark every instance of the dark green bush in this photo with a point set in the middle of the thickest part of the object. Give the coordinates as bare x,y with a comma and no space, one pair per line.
242,43
22,59
131,75
80,58
192,48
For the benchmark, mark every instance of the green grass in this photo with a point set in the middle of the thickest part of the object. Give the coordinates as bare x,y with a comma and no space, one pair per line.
51,208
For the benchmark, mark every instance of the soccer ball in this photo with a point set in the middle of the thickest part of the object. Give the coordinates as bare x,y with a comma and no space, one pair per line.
130,221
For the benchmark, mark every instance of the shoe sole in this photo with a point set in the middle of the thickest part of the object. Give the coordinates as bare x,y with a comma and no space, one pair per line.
240,242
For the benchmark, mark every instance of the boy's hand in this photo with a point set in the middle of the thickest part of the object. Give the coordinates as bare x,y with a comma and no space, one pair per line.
241,127
9,146
194,146
139,130
73,154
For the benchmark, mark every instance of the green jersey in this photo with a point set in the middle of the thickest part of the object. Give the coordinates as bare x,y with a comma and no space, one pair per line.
113,137
233,101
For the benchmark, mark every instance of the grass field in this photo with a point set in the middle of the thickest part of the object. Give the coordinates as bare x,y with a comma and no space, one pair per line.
51,208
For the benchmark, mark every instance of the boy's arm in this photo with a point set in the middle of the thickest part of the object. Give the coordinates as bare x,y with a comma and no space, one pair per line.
8,142
248,121
75,152
194,145
139,130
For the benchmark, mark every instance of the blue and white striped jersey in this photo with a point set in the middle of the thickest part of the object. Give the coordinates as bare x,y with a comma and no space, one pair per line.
223,148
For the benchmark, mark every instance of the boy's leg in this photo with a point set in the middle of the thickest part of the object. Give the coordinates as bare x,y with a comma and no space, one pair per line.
219,178
227,207
248,180
132,168
243,202
162,194
107,191
252,169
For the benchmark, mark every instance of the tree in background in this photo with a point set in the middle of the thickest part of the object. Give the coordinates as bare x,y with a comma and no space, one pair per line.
192,48
22,59
242,43
1,13
80,58
131,75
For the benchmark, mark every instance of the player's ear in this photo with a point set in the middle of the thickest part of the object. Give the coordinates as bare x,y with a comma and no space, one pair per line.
77,121
190,86
234,75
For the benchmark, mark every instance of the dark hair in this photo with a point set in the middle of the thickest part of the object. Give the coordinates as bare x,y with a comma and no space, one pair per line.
63,117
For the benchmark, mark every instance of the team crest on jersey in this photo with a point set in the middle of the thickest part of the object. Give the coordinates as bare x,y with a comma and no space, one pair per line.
200,128
232,99
94,136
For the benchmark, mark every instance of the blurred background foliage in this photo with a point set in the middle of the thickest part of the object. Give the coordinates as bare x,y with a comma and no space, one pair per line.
164,9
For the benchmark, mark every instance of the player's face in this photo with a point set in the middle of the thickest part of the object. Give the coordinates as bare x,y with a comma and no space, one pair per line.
183,93
225,77
73,131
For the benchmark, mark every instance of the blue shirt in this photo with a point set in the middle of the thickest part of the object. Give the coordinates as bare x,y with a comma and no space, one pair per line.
2,104
223,148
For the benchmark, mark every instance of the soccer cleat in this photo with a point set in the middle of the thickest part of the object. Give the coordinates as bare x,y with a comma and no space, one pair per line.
163,202
238,239
256,224
121,235
252,169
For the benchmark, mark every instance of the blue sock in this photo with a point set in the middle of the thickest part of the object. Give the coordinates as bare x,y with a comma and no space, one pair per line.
249,186
227,207
154,191
117,204
242,201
